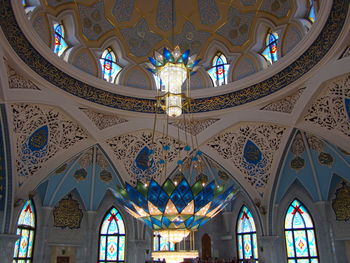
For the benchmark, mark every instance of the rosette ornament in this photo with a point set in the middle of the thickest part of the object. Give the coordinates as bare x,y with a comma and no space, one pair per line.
175,208
173,69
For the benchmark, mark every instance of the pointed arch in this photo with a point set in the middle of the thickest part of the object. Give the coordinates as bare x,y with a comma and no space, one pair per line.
219,70
247,245
26,228
112,238
161,244
300,234
270,52
60,45
109,66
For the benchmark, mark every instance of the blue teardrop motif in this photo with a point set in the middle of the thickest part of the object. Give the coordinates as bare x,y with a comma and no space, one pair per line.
39,139
347,106
252,153
185,56
142,159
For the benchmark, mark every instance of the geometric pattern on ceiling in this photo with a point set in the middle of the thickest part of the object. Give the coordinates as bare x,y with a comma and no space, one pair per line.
286,104
17,81
251,148
133,151
313,162
102,120
319,48
331,109
40,132
89,173
195,126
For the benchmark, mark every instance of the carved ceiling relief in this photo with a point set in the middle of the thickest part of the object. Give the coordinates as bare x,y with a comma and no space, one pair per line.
17,81
331,110
134,151
251,149
194,127
102,120
41,132
286,104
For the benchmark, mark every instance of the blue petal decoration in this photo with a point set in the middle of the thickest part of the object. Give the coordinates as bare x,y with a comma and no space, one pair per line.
182,195
168,56
185,56
39,139
153,71
136,197
189,221
153,61
347,106
252,153
156,222
157,195
148,223
142,159
166,221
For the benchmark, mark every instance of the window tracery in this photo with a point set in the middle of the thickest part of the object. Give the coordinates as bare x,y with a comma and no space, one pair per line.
219,70
270,52
300,235
109,66
60,45
26,226
247,245
112,238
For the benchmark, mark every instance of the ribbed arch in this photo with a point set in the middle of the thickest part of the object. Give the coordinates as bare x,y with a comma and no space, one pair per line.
112,238
26,228
247,245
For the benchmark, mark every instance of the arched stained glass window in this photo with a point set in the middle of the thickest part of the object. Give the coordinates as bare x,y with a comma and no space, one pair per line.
246,236
24,3
112,238
219,70
110,68
60,42
300,235
270,53
161,244
312,12
26,229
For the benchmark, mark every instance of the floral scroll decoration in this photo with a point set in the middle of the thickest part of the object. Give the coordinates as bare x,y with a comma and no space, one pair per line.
251,149
68,214
341,203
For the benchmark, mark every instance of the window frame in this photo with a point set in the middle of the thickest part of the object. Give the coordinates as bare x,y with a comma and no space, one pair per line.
32,230
61,24
214,65
103,57
242,234
305,229
107,235
267,46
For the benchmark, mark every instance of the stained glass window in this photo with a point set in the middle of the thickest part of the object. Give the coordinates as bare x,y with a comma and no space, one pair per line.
161,244
112,238
24,3
110,68
247,245
312,12
270,52
26,229
60,42
219,70
300,235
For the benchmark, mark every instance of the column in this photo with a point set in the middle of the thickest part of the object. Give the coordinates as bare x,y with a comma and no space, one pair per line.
270,249
7,245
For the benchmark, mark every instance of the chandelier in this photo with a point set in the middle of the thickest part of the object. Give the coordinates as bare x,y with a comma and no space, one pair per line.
173,69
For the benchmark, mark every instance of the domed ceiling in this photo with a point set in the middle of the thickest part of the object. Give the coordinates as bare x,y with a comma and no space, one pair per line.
134,28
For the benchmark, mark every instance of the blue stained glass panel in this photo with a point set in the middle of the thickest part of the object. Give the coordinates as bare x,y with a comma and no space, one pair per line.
110,68
270,53
60,44
312,12
219,70
112,238
300,234
240,248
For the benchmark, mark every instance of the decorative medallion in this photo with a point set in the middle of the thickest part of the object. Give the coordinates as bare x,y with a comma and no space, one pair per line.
297,163
341,203
67,214
106,176
251,153
38,140
326,159
80,175
61,169
347,106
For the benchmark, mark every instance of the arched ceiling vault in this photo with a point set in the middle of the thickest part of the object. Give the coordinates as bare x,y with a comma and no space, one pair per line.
76,124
